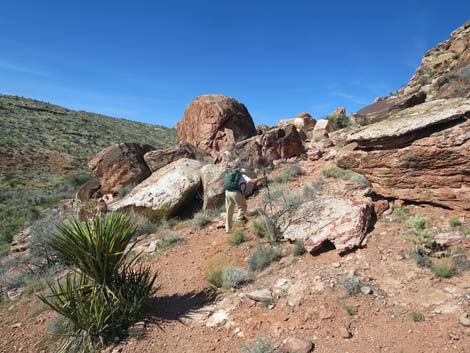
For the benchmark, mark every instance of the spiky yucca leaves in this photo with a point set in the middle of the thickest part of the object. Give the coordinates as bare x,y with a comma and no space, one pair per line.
107,292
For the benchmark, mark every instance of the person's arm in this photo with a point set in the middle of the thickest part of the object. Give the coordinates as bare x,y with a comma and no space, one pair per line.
256,180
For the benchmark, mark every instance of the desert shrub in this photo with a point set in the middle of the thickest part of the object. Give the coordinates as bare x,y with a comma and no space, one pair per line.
443,269
340,121
213,269
200,220
126,190
460,262
420,257
352,285
237,238
77,180
260,345
170,239
42,231
233,277
105,293
290,173
259,228
299,248
143,224
216,279
351,311
416,317
454,222
262,258
418,233
401,213
277,211
340,173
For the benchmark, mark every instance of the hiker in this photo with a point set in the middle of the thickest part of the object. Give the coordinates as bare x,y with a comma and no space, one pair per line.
236,186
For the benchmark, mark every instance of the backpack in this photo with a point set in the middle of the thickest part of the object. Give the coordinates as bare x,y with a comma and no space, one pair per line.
232,180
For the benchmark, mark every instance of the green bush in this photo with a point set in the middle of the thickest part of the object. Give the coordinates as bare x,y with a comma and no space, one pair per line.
416,317
455,222
170,239
352,285
259,228
420,257
351,311
418,233
340,121
339,173
401,213
216,279
290,173
260,345
144,225
105,294
299,248
262,258
445,269
200,220
233,277
236,238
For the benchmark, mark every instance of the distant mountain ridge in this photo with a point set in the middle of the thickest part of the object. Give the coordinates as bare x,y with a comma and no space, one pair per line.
40,143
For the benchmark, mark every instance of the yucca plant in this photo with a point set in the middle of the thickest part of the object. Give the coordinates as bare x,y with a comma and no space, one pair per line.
106,293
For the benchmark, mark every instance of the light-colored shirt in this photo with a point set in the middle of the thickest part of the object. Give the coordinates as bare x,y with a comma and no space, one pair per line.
245,188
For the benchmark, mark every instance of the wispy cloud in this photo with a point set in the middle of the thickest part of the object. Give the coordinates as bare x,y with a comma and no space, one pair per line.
24,69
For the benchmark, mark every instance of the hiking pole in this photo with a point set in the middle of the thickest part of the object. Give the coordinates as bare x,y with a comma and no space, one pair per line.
267,188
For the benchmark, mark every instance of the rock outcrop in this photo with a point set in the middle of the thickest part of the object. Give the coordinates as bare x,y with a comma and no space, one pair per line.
212,177
341,221
214,123
88,190
322,127
303,121
420,154
119,165
444,72
275,143
159,158
165,191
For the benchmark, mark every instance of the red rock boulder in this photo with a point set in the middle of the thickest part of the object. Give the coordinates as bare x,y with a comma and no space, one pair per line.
119,165
159,158
214,123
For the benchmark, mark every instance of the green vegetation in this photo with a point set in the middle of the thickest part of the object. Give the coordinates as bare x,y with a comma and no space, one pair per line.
259,228
416,317
337,172
237,238
340,121
401,213
352,285
105,293
419,235
262,258
454,222
233,277
214,267
420,257
171,238
443,269
44,151
200,220
351,311
299,248
288,174
260,345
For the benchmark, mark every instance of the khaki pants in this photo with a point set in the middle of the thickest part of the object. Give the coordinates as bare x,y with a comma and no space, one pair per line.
232,199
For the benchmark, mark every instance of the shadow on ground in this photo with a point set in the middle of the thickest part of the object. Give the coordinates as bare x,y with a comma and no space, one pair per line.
176,307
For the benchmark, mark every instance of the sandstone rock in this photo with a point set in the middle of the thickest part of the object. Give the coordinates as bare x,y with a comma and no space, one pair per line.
420,154
322,127
212,176
380,206
261,295
296,293
214,123
166,190
159,158
88,190
344,333
275,143
119,165
339,111
340,221
296,345
303,121
464,319
366,290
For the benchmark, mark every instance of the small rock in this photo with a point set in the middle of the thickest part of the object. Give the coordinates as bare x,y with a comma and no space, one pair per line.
217,318
297,345
454,336
14,294
366,290
262,295
336,264
344,333
465,319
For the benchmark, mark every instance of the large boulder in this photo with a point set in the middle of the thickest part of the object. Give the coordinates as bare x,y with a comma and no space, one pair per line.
166,191
212,176
88,190
275,143
214,123
119,165
420,154
340,221
159,158
303,121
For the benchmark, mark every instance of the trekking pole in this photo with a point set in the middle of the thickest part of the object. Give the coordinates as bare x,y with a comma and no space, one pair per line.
267,188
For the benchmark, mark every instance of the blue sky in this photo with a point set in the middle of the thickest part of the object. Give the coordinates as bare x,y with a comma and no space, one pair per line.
146,60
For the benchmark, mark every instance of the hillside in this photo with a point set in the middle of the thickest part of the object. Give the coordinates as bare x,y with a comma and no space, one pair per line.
43,145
